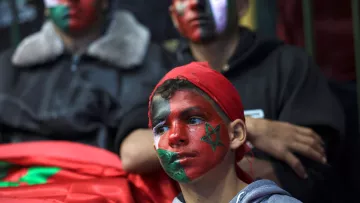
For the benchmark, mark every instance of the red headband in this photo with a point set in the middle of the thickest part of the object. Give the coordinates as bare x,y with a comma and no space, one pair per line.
219,89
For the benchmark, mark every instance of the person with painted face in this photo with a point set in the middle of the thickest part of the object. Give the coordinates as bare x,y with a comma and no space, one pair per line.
200,135
293,120
67,93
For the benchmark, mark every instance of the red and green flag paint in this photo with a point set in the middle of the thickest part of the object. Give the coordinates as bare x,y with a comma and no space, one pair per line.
170,160
72,16
65,172
172,166
191,137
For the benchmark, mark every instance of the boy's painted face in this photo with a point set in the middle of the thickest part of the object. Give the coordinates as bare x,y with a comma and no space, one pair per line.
190,137
201,20
73,16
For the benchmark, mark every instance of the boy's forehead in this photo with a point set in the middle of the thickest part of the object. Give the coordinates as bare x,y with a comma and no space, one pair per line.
182,99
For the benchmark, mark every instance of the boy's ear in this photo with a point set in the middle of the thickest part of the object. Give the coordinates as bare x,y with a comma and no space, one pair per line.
237,133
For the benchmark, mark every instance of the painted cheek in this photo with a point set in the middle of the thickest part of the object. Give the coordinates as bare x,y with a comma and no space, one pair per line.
167,159
193,33
212,151
190,31
57,14
85,16
162,141
156,141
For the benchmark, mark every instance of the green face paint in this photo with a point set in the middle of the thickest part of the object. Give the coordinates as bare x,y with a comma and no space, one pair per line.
58,15
210,131
73,16
172,166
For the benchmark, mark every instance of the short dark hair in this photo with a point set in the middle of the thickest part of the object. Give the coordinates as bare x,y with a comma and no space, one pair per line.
169,87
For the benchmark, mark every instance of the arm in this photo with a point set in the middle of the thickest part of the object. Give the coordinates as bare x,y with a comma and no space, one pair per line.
137,152
283,141
135,142
265,166
305,101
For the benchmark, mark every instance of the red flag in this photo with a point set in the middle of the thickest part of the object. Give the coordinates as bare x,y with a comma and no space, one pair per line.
69,172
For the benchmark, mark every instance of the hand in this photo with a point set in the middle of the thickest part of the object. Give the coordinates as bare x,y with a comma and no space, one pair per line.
282,140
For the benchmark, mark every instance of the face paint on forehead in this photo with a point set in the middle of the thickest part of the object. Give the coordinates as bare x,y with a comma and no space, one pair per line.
220,12
160,109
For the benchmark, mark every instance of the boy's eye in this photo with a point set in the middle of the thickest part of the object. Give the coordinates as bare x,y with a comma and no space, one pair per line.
195,120
161,130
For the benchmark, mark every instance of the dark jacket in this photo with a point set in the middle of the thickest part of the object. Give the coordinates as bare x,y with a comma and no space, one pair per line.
48,94
264,191
281,82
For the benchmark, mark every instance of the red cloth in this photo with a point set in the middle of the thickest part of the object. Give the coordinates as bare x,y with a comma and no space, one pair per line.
333,34
18,200
86,174
218,88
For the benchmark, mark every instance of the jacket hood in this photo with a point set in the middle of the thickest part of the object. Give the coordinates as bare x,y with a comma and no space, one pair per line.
263,191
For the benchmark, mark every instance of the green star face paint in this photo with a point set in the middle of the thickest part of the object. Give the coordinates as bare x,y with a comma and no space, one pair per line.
191,137
73,16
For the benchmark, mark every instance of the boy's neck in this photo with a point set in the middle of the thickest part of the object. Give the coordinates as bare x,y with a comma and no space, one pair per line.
77,44
218,185
218,52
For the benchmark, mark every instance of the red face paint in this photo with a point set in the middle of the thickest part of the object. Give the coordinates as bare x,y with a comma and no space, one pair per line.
192,137
73,16
200,20
191,21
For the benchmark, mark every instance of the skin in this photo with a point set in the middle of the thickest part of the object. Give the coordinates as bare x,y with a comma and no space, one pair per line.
73,16
202,20
188,130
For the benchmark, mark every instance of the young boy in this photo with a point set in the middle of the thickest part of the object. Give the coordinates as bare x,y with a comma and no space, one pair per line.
199,135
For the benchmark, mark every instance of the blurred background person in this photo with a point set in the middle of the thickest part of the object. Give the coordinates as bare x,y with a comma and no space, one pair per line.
79,79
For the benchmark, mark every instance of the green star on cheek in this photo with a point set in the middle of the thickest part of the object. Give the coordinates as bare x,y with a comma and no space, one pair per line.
210,131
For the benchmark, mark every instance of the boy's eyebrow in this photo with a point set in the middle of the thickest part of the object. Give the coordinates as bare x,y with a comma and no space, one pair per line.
190,110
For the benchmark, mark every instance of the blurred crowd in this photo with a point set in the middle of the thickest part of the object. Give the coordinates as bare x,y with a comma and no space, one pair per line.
75,82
